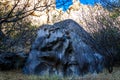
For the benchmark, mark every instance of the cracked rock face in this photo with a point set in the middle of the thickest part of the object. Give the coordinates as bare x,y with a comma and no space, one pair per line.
63,49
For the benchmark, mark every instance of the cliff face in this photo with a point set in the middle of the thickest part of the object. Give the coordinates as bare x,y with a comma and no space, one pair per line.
85,15
46,13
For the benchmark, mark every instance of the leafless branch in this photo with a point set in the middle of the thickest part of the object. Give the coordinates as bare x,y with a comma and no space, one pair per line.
23,12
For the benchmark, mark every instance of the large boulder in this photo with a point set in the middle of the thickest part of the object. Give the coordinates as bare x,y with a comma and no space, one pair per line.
63,49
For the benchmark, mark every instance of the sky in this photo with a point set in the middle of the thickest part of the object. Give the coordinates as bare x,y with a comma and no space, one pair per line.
65,4
89,2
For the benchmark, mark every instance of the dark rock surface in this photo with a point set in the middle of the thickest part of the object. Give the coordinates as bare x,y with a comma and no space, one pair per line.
64,49
10,60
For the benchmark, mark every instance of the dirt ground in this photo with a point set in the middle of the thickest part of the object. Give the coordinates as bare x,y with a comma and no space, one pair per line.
17,75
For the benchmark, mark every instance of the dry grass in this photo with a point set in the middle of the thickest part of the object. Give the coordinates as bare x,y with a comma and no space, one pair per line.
17,75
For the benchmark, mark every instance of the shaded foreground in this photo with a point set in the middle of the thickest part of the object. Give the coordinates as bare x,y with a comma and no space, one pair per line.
17,75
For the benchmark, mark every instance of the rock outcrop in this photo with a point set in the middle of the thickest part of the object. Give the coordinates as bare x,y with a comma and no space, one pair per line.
64,49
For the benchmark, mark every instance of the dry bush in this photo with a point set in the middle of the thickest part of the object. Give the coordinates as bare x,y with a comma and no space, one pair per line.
15,27
108,37
19,35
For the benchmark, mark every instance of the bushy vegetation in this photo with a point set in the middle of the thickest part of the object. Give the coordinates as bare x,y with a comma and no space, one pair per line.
15,27
108,35
20,33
